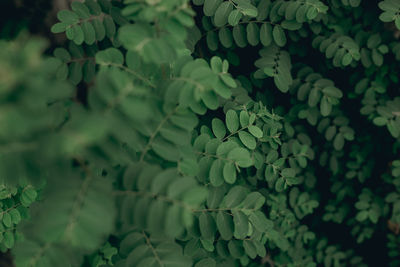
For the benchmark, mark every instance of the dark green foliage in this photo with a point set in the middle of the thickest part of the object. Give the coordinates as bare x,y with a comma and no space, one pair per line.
212,133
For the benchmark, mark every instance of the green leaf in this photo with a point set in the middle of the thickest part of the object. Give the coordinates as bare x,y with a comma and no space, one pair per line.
210,7
362,215
234,17
246,8
244,118
314,97
218,128
7,221
173,223
207,262
338,142
229,173
380,121
216,173
225,37
216,64
248,140
58,27
326,107
88,32
266,34
93,6
387,16
260,222
253,34
225,225
235,248
62,54
207,226
397,22
110,27
28,196
239,35
232,121
312,12
109,56
67,17
212,40
15,216
241,224
99,30
79,36
347,59
250,248
280,185
332,92
241,156
253,201
9,239
235,196
80,9
279,35
373,41
222,13
228,80
255,131
288,172
377,57
75,70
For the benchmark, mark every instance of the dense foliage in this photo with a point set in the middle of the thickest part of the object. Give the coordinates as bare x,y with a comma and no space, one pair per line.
204,133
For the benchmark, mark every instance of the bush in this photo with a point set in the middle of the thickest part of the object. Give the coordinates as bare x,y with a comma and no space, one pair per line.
204,133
